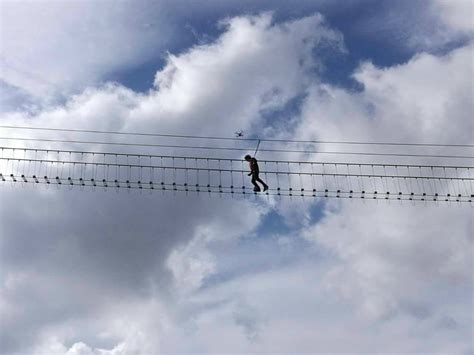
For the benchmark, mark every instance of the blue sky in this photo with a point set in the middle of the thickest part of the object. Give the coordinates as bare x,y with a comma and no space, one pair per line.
363,41
372,30
98,272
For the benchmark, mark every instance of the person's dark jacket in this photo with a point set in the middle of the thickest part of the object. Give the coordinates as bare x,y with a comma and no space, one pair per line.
254,166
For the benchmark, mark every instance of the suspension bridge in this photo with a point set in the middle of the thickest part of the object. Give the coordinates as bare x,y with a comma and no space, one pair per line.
172,163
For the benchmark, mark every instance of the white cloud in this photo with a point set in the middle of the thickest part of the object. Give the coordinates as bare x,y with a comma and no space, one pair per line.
192,263
399,259
289,309
404,269
210,83
411,27
458,14
395,259
116,263
414,102
143,274
443,24
55,48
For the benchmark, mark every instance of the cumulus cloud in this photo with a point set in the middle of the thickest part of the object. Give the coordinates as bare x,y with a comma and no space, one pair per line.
151,273
402,271
210,82
456,14
397,261
394,260
444,24
415,26
416,101
84,287
290,309
60,48
50,52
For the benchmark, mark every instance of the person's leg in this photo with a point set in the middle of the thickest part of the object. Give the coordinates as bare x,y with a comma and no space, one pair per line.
265,186
254,178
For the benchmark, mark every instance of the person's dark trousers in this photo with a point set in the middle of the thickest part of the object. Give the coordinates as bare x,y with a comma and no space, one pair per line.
255,179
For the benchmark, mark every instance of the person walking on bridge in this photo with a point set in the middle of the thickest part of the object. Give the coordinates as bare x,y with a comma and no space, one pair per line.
254,171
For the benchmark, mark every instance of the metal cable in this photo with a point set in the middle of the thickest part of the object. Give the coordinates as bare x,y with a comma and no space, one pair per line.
233,139
234,148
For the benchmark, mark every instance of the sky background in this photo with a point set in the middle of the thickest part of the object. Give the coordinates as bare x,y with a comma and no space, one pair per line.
106,273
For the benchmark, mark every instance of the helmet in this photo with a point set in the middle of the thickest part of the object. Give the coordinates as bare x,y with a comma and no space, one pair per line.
247,157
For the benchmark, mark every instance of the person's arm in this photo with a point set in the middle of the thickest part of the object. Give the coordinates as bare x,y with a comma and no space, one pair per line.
255,168
252,168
